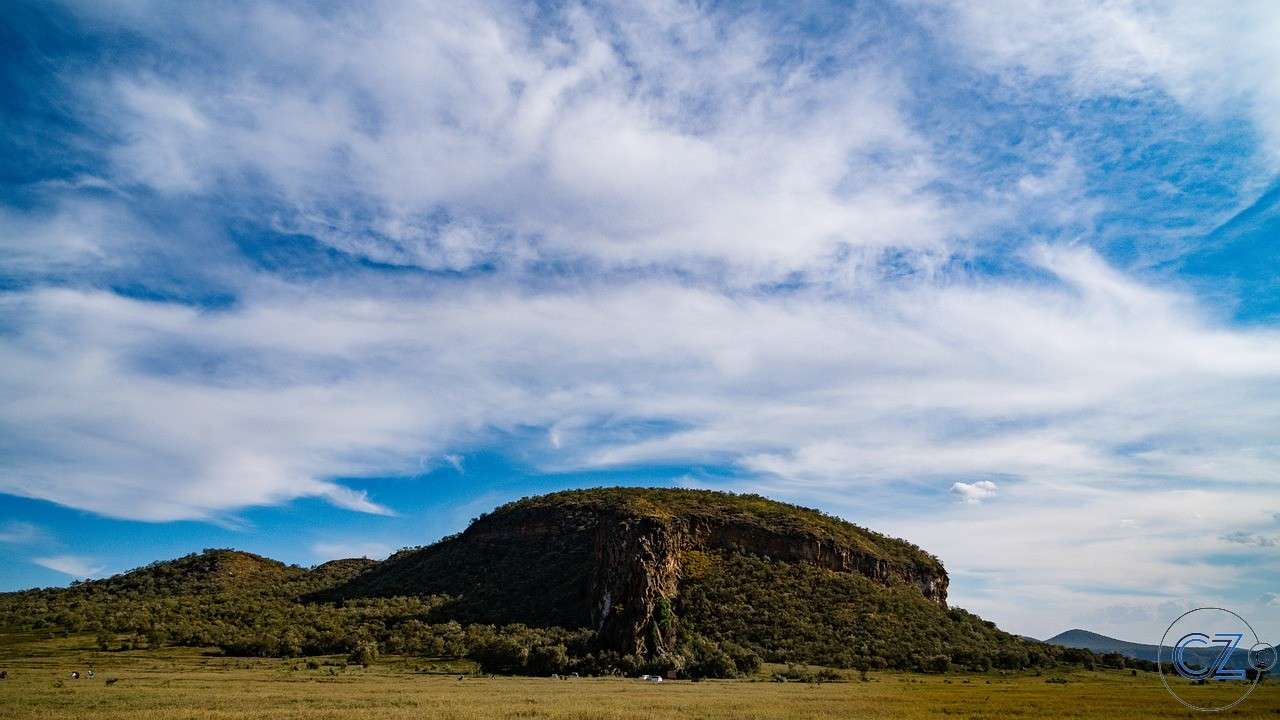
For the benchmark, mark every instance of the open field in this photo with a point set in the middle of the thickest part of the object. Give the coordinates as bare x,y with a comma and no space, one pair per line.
178,683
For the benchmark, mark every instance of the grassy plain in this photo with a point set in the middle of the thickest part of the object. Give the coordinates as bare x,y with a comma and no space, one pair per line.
176,684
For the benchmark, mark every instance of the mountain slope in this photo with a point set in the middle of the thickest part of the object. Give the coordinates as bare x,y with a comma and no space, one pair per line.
608,558
594,581
206,572
1101,645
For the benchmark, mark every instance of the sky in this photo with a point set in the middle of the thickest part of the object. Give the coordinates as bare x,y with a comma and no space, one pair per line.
318,280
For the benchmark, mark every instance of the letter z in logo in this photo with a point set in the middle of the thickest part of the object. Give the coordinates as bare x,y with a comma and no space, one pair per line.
1217,669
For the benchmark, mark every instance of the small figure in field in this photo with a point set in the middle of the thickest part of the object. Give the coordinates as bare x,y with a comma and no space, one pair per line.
461,678
4,674
89,674
112,681
75,675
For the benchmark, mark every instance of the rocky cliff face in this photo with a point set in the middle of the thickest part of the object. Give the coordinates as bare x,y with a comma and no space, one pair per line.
612,559
638,564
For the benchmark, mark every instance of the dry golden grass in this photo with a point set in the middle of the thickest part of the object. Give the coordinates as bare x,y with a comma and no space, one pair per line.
181,684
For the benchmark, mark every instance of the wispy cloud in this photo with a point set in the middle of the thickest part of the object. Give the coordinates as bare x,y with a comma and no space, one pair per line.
17,532
357,500
73,565
351,549
1182,48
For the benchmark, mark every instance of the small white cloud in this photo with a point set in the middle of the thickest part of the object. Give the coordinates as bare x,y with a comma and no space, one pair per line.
355,548
974,492
357,500
73,565
455,461
17,532
1270,598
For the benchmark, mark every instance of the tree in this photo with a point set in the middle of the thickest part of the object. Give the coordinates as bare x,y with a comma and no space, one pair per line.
364,653
548,660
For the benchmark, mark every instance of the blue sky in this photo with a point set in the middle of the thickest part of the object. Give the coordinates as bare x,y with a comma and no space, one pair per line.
314,281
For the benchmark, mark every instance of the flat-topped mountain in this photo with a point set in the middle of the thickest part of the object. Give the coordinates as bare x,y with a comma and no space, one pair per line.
612,559
591,581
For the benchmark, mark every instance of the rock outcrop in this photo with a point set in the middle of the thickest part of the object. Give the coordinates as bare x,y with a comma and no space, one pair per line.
611,559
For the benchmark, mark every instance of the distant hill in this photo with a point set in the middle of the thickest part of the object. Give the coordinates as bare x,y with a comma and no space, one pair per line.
1101,644
223,571
604,580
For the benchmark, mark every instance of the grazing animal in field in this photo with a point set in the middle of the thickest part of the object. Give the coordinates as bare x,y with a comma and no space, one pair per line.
112,681
89,674
4,674
75,675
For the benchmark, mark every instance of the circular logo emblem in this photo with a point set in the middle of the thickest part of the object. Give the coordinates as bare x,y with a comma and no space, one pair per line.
1210,659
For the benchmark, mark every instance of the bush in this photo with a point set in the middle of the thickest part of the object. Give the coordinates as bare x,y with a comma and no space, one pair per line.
364,653
938,664
548,660
710,661
746,659
503,655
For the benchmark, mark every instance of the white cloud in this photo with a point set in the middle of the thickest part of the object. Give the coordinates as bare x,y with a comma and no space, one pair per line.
454,135
1214,59
17,532
455,461
1270,599
1056,556
357,500
1095,381
351,549
73,565
974,493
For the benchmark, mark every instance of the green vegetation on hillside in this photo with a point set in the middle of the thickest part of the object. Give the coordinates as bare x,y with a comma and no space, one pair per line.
249,606
745,509
513,595
544,584
734,612
789,612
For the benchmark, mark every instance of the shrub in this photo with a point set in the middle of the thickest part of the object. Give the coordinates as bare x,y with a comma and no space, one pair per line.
504,655
937,663
548,660
364,653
